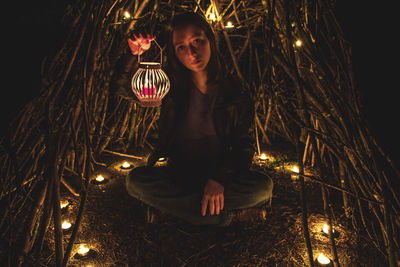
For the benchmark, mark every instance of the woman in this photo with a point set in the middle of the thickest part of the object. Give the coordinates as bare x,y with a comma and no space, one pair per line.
204,130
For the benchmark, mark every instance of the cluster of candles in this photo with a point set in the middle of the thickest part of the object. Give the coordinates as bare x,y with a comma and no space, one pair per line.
264,157
66,226
321,260
83,250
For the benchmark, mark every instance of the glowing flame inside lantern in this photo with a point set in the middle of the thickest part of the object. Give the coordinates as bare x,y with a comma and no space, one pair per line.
150,83
83,249
322,259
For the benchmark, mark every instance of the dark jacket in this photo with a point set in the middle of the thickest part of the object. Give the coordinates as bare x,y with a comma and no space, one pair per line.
233,118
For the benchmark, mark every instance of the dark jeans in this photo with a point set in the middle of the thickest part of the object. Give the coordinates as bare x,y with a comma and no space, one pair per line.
180,192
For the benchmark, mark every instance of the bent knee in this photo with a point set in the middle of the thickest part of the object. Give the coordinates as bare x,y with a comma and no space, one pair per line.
264,188
134,180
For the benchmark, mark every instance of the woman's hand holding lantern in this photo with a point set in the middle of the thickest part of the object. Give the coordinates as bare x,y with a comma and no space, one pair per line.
140,43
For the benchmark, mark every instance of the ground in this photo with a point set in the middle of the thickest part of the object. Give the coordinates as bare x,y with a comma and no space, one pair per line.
122,232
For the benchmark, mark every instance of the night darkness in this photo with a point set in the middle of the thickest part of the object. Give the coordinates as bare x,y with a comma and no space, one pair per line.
370,27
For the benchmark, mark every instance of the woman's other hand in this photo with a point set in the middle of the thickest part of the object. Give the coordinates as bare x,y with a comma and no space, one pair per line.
213,197
139,41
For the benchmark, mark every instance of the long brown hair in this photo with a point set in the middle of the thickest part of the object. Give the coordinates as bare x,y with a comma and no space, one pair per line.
178,73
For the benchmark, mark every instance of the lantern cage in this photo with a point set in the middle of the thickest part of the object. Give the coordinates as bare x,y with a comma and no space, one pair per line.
150,83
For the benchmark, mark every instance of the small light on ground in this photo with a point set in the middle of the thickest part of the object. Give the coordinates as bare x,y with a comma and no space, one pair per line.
126,165
127,15
83,250
66,225
263,156
229,25
64,204
322,260
325,230
162,162
99,180
295,170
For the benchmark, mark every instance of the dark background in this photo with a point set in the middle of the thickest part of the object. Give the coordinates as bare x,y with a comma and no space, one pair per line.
35,31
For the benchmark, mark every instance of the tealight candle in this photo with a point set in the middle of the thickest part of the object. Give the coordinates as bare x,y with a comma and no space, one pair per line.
325,230
229,25
64,204
161,162
295,170
66,225
263,156
83,250
322,260
126,165
100,179
127,15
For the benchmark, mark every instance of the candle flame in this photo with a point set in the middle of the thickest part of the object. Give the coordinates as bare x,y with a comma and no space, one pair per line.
83,249
66,225
127,15
212,17
323,259
229,24
64,204
295,169
299,43
263,156
325,228
100,178
126,164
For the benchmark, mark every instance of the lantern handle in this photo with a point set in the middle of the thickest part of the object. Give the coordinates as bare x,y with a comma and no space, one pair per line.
158,47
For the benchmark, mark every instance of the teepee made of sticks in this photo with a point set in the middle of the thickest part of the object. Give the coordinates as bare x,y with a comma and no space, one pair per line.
292,57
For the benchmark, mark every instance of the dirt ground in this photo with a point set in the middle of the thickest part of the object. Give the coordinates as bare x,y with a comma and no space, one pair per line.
120,231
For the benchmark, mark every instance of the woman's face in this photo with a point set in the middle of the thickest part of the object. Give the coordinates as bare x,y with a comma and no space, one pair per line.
192,47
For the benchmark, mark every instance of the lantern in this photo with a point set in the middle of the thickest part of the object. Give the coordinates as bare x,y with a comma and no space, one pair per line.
150,83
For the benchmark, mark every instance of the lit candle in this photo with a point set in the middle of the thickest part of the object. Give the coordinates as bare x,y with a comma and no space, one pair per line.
83,250
299,43
64,204
295,170
229,25
127,15
161,162
100,178
322,260
126,165
66,225
212,17
263,156
325,230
